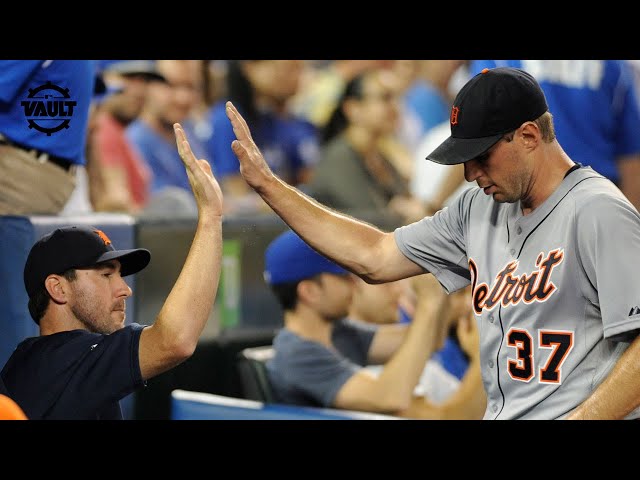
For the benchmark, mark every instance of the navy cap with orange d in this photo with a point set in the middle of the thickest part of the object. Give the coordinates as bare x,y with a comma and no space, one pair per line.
78,246
494,102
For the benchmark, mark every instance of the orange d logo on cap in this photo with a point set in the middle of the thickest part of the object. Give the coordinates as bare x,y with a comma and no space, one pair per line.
103,236
454,115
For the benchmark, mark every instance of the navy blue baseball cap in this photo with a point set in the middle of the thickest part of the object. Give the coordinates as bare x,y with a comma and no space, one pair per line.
494,102
77,247
289,259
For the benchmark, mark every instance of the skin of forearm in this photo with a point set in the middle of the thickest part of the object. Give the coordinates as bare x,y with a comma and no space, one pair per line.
469,401
337,236
618,394
400,375
188,306
386,342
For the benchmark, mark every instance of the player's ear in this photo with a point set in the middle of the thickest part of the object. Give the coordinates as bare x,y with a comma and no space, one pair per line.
57,288
309,289
529,134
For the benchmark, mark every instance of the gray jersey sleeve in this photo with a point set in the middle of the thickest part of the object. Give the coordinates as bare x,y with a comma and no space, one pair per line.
438,243
607,246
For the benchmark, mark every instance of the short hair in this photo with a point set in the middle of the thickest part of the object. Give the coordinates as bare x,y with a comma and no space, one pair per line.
39,302
545,124
287,294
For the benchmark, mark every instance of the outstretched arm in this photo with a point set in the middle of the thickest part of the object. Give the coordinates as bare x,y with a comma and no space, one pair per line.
618,394
174,335
360,247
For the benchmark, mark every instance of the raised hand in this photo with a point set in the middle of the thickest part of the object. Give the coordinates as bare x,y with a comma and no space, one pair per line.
204,185
253,167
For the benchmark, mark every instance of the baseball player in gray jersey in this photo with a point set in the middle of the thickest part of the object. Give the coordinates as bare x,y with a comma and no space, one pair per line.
550,247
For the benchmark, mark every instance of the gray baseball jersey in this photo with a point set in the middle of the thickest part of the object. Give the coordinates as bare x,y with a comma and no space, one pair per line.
556,293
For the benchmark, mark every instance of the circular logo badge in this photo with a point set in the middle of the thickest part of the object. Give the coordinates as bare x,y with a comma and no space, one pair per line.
48,108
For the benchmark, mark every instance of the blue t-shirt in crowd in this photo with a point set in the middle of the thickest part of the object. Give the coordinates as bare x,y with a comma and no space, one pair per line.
75,375
287,144
594,106
20,81
428,104
162,156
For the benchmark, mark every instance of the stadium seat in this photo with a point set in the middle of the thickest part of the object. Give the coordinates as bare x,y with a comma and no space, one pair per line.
252,370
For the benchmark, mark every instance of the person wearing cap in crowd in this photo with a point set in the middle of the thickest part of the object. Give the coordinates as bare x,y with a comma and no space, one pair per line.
44,112
549,247
120,176
174,100
321,357
86,359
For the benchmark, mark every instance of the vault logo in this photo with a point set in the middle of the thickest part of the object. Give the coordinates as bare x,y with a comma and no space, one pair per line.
48,108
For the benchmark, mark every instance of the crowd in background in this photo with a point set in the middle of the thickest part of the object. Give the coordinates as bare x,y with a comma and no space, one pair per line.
351,133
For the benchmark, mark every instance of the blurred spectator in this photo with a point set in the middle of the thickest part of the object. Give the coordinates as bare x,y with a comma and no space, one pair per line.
126,178
596,113
387,303
323,86
44,111
209,94
354,174
152,132
410,126
320,355
429,97
261,90
435,184
88,178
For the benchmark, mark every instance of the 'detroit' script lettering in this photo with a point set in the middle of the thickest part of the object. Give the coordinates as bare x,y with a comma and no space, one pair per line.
509,289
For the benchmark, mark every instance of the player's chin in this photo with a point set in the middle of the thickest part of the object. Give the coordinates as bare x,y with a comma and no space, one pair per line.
502,198
119,317
497,195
